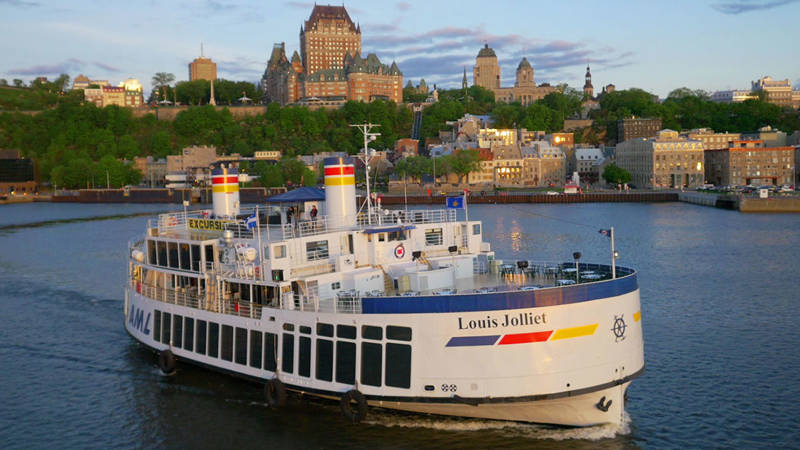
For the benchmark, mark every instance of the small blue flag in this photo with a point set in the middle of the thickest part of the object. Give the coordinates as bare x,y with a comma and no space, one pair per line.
455,202
605,232
251,222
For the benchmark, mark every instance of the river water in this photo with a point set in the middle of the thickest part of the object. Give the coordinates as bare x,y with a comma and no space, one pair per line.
719,296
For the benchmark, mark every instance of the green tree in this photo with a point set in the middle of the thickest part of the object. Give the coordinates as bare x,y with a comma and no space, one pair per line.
614,174
269,175
465,161
160,81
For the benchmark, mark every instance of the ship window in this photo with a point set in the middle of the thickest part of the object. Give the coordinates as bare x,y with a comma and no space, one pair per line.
271,347
398,333
241,346
335,286
371,363
368,332
162,253
305,330
227,343
157,326
165,333
381,237
177,331
255,348
151,251
325,329
346,331
304,363
398,365
288,327
188,333
196,258
397,235
183,250
433,236
476,229
201,337
325,359
213,339
209,253
345,362
172,249
279,251
287,355
316,250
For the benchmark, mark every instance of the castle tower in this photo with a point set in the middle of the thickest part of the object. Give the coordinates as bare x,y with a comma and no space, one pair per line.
588,89
525,74
486,72
328,35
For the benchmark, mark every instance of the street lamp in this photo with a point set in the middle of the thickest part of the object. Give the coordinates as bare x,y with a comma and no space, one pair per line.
577,256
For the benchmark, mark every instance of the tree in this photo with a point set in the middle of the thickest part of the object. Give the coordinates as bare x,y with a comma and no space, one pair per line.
161,80
3,82
269,175
19,83
465,161
614,174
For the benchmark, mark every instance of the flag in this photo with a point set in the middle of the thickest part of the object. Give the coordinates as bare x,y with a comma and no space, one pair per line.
605,232
251,222
455,202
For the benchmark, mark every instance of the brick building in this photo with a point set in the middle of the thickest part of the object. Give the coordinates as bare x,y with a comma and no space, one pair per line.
637,128
330,67
750,162
667,160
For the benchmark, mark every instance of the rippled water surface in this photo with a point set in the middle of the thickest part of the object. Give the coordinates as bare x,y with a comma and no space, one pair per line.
719,300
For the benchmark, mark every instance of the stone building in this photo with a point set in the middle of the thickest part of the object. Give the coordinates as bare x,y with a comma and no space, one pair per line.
330,67
750,163
664,161
153,170
486,73
587,162
777,92
196,158
710,139
634,127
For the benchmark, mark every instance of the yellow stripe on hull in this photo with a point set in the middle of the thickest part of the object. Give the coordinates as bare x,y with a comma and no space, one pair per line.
568,333
225,188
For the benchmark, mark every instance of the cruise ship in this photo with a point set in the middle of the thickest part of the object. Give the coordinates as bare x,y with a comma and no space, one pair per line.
377,308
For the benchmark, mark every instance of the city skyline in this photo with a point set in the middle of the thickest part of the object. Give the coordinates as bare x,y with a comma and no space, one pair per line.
654,47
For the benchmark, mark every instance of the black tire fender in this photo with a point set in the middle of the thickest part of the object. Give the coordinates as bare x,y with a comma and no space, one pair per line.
167,362
275,393
354,406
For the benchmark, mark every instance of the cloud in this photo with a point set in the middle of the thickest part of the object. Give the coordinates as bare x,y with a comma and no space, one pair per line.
402,6
67,66
240,67
106,67
745,6
20,3
300,5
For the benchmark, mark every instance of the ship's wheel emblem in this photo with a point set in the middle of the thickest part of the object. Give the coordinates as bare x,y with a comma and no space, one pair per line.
619,328
399,251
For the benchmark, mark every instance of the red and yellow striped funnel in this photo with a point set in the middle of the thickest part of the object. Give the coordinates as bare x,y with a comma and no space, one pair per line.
225,191
340,191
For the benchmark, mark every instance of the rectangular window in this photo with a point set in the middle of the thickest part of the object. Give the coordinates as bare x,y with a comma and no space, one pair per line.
227,343
287,354
255,348
336,286
398,365
345,362
167,328
369,332
325,329
201,337
316,250
271,351
476,229
241,345
196,257
209,253
162,253
324,360
151,252
371,363
433,236
398,333
279,251
177,331
157,326
304,363
188,333
346,331
183,251
172,249
213,340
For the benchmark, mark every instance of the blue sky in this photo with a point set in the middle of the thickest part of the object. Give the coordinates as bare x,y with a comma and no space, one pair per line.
653,45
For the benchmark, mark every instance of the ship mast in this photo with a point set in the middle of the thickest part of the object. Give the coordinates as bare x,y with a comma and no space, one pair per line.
365,129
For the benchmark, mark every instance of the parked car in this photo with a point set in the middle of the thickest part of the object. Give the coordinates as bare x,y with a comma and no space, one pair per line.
552,193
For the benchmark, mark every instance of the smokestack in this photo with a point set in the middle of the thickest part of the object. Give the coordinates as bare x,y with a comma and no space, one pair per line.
340,191
225,191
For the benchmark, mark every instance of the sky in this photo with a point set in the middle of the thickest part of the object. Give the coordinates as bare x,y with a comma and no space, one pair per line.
650,44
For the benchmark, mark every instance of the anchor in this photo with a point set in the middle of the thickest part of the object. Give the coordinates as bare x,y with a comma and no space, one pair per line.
602,405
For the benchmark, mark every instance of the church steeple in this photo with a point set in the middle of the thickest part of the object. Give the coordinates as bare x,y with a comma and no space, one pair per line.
464,80
588,89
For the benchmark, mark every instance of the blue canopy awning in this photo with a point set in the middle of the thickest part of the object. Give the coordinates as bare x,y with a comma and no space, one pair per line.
388,229
302,194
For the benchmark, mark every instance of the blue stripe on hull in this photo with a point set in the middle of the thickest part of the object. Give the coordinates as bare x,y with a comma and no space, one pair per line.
472,341
500,300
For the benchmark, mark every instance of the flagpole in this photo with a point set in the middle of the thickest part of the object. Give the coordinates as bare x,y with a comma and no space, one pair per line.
466,208
613,256
260,247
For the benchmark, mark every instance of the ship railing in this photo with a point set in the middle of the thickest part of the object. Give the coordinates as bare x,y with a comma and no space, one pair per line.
182,297
414,216
349,304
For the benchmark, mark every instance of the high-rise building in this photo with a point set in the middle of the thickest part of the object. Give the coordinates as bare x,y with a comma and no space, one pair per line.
486,73
329,69
202,68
